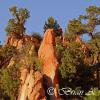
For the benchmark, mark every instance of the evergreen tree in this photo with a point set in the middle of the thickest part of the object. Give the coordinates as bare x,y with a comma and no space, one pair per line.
51,23
86,23
16,24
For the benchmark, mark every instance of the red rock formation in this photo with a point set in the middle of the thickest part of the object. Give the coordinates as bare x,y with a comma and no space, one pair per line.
31,86
50,63
20,42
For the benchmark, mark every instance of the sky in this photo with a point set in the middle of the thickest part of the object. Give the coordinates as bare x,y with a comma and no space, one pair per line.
40,10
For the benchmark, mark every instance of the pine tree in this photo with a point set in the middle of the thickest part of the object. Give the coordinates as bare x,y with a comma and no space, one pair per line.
51,23
16,24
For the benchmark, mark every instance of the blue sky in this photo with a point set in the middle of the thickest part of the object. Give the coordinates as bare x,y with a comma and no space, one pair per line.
40,10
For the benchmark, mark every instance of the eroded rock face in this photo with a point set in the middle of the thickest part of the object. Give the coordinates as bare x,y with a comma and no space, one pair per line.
15,42
50,63
18,43
31,86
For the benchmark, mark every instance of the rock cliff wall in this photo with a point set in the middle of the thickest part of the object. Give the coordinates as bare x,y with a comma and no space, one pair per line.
50,63
31,87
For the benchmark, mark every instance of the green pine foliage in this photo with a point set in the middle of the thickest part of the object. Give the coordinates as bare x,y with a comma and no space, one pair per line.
75,26
51,23
86,23
15,25
6,53
93,94
9,82
31,60
71,58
